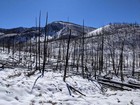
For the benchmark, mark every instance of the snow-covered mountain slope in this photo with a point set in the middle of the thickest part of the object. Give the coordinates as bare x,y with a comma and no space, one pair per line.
17,30
57,29
129,33
60,29
19,34
118,28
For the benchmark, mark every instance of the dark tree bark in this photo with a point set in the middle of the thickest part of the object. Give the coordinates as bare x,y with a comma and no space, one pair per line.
19,50
13,47
78,56
39,42
67,57
59,55
121,61
82,56
3,44
101,62
36,47
133,64
74,53
45,46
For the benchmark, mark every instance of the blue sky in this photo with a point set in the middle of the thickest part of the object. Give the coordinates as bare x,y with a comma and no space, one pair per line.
96,13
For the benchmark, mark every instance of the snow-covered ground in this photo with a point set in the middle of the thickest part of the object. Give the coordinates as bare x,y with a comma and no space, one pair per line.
17,89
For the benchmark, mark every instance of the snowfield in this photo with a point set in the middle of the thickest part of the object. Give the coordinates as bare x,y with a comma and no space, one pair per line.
16,89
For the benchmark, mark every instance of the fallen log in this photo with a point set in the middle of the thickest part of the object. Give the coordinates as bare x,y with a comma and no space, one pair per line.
119,83
114,85
72,88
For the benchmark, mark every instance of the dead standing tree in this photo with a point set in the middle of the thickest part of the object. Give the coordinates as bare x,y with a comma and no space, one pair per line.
13,48
101,56
45,46
121,56
36,45
78,55
82,56
67,58
59,56
3,45
39,42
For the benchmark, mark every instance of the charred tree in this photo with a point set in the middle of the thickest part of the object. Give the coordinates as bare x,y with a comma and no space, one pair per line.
36,47
121,61
39,42
45,46
59,56
67,58
82,56
101,62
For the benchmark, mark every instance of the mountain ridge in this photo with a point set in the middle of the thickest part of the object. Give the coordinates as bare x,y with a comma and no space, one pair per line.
59,29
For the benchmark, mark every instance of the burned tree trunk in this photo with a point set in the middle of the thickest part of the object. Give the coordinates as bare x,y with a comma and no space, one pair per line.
36,46
39,42
67,58
121,61
3,44
45,46
101,62
82,56
59,56
133,64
